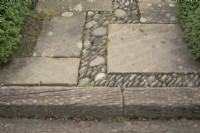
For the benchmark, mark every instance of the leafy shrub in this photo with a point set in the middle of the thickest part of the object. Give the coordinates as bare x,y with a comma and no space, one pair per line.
12,13
189,14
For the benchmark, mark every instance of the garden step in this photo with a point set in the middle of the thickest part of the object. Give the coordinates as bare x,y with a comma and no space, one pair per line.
58,126
162,103
40,71
61,102
157,11
61,36
74,5
100,102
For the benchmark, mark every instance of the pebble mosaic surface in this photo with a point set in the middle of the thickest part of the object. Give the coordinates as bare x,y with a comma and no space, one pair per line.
93,67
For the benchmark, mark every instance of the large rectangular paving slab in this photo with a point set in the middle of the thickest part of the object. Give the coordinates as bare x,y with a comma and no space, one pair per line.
40,71
61,36
74,5
148,48
157,11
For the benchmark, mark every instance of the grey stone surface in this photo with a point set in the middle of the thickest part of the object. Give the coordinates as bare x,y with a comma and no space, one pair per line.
61,36
98,32
60,102
40,71
87,44
84,81
97,61
148,48
162,103
57,126
120,13
151,79
90,14
91,24
67,14
157,11
74,5
100,76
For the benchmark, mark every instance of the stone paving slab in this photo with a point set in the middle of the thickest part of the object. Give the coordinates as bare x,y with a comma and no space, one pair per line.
40,71
74,5
56,126
61,36
152,48
158,11
162,103
60,102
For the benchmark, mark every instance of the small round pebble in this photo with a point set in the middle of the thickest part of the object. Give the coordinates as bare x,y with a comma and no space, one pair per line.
143,20
84,81
83,70
101,31
97,61
90,14
100,76
151,79
120,13
67,14
87,44
91,24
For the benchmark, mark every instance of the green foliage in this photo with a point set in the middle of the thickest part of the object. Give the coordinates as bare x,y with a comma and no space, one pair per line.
122,119
11,17
189,14
89,85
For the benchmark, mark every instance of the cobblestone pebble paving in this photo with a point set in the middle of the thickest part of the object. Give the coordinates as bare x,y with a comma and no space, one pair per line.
95,37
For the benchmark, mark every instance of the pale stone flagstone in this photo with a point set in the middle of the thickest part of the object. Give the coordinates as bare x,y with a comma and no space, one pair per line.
74,5
41,71
148,48
157,11
61,36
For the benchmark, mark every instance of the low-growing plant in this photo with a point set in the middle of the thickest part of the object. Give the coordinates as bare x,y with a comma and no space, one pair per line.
12,13
189,15
122,119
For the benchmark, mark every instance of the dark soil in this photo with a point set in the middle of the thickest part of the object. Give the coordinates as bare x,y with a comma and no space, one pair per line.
31,29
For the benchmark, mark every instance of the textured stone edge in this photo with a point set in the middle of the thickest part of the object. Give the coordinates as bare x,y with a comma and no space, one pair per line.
60,102
57,126
162,103
99,102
